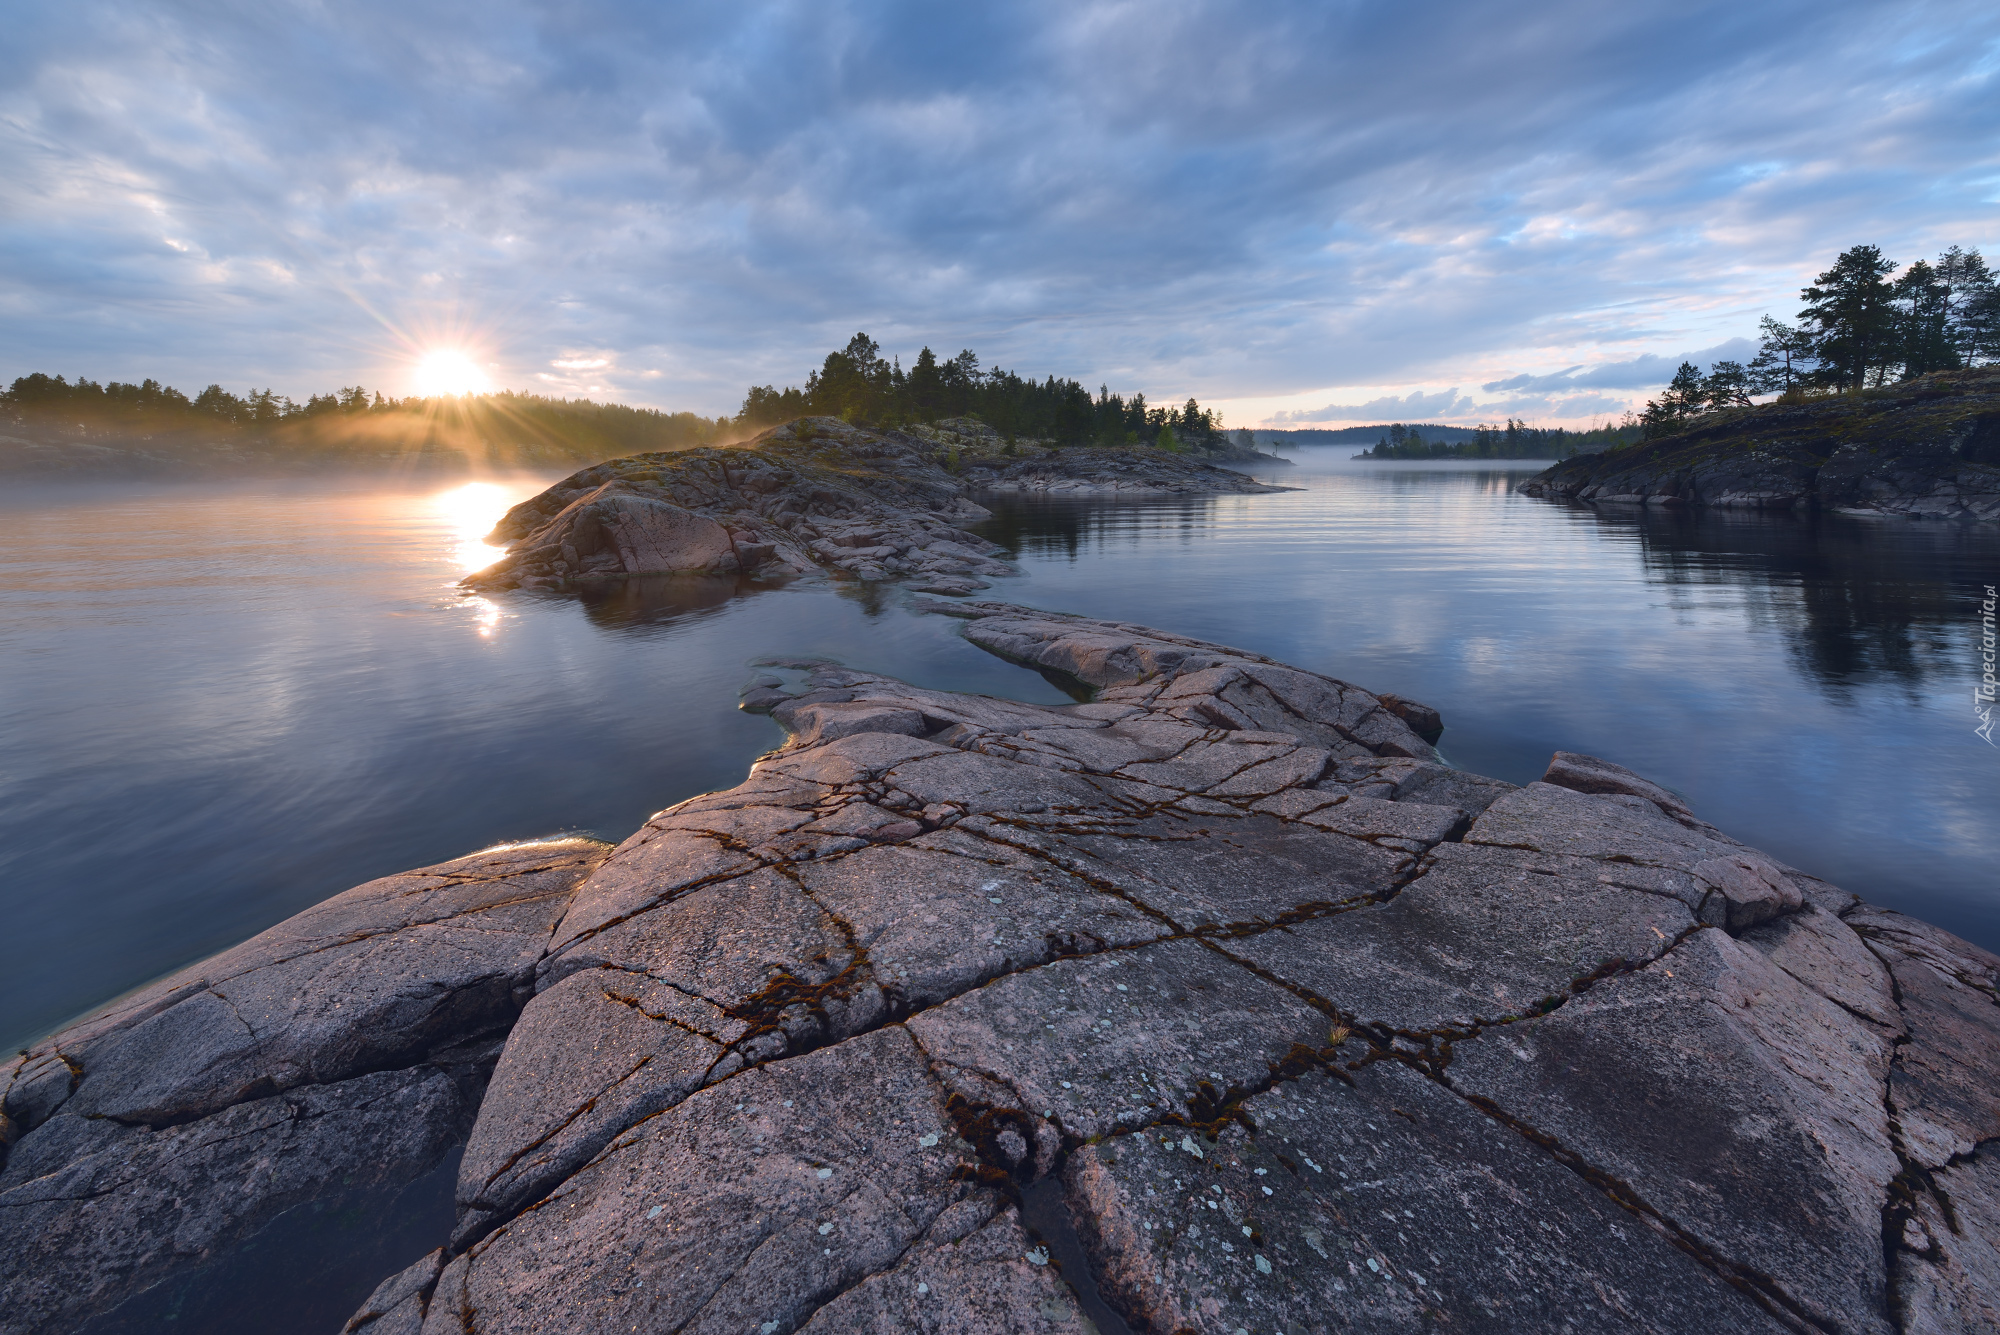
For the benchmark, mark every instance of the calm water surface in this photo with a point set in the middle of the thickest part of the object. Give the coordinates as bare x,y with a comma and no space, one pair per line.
218,706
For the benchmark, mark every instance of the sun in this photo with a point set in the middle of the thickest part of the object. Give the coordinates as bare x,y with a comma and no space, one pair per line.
448,371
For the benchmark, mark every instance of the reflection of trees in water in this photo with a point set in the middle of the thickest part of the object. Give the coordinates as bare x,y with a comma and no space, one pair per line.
1857,600
1045,526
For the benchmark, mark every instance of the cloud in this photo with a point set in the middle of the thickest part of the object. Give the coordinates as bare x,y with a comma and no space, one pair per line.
1550,407
1561,394
1413,407
1223,199
1646,371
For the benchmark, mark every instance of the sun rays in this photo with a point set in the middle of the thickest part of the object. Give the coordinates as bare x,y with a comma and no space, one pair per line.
440,372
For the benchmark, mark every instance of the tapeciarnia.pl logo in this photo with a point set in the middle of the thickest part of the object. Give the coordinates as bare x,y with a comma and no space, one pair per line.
1982,695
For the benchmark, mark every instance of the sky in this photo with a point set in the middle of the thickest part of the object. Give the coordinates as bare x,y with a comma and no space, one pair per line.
1303,214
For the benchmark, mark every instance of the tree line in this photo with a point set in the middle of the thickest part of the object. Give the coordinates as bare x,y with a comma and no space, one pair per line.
858,384
1516,440
575,426
1862,326
151,403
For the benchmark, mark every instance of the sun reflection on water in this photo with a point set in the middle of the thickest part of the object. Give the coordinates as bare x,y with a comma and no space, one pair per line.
486,613
470,512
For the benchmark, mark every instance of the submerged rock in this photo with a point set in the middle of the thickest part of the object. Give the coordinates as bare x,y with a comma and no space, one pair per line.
812,493
1218,1002
1928,448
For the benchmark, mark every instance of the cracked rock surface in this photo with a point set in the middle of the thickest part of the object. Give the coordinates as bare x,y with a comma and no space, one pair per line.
1218,1003
345,1047
814,493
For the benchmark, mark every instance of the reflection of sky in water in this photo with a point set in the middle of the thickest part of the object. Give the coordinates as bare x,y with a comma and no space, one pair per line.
219,705
1782,672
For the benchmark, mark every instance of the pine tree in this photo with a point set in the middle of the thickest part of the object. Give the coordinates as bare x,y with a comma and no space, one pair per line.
1923,309
1973,302
1784,360
1727,385
925,386
1684,396
1852,313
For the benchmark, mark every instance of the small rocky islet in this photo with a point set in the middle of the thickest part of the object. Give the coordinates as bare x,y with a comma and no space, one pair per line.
1928,448
818,494
1217,1002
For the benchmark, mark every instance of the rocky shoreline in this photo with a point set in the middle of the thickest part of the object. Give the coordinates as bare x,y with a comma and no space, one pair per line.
1216,1003
812,494
1013,466
1925,449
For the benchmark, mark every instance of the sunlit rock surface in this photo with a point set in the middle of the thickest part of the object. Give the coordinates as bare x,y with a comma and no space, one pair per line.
815,493
1218,1003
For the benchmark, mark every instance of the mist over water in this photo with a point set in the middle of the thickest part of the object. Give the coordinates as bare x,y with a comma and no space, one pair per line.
221,704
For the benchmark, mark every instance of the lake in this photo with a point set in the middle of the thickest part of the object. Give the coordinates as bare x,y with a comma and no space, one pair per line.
221,704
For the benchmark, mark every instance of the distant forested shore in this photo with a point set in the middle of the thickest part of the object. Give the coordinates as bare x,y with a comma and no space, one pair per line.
1515,440
61,425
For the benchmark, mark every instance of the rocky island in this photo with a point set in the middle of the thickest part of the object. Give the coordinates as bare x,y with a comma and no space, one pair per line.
1218,1003
813,493
1928,448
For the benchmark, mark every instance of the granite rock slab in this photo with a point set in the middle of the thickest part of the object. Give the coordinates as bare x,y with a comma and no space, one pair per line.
94,1213
347,1046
